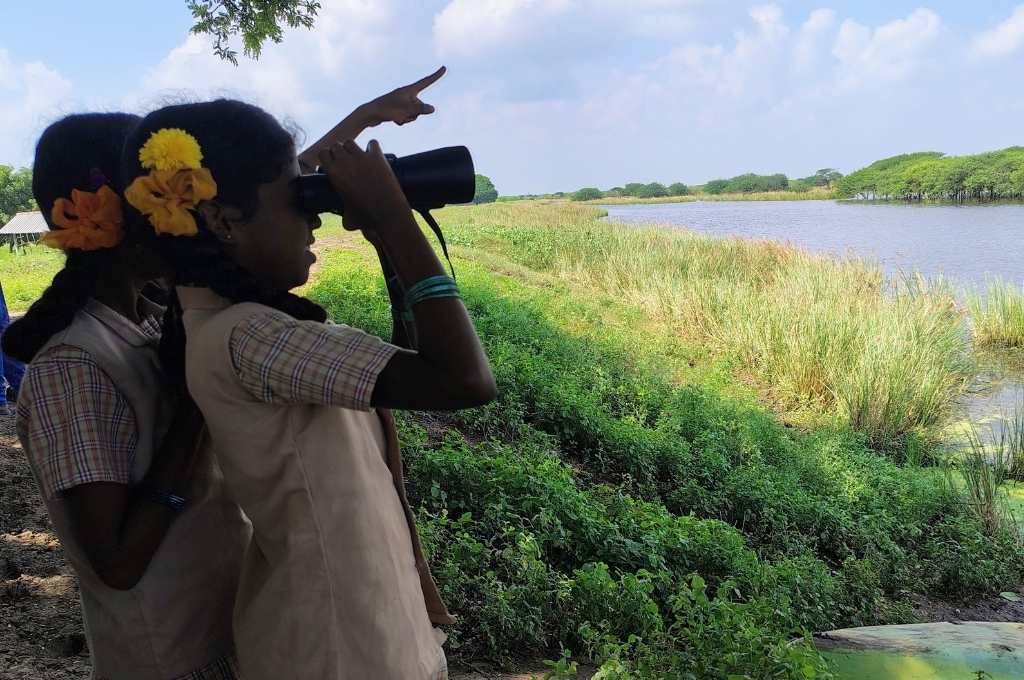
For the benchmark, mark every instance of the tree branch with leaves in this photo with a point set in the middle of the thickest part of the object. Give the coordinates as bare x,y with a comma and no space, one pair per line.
256,21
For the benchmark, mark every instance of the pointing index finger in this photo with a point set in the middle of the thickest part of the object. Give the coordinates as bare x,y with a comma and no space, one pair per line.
424,83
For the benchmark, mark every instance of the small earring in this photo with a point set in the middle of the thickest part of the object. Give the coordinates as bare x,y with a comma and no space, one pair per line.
228,236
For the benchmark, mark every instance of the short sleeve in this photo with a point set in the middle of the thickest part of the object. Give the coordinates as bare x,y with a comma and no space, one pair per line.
74,424
281,360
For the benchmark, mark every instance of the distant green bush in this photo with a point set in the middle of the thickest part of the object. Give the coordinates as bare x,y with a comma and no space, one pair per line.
652,190
588,194
485,191
717,186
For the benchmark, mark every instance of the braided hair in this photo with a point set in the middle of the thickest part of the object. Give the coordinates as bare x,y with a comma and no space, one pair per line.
71,154
243,147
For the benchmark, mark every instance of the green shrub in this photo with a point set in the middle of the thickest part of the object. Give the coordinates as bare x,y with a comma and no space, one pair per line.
652,190
485,191
587,194
717,186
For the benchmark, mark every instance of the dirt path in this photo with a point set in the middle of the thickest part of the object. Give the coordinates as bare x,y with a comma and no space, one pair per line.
41,635
40,625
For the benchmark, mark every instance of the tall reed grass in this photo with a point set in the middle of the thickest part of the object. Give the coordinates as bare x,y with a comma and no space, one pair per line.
827,334
997,317
984,464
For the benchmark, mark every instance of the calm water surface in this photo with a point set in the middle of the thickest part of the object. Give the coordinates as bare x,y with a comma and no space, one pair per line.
966,243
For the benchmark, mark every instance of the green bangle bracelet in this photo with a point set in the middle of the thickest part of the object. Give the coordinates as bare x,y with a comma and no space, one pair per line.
443,290
429,282
434,296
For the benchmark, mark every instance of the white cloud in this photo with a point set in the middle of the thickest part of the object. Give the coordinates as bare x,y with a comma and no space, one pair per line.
810,39
1004,39
349,30
31,95
890,52
192,70
477,28
289,77
750,63
469,27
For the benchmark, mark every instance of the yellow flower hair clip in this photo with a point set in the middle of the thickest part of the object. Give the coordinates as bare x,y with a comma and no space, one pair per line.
88,221
175,185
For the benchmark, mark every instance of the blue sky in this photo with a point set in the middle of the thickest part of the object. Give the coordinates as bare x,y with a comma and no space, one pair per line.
558,94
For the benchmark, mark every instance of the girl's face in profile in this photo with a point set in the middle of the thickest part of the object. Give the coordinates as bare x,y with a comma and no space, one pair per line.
274,244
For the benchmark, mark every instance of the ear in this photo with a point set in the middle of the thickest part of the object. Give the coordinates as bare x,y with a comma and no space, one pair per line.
222,220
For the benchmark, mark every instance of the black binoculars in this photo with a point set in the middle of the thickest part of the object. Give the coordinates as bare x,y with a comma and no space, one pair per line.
430,180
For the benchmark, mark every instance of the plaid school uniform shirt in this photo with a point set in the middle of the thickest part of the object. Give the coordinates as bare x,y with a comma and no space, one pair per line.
76,422
81,429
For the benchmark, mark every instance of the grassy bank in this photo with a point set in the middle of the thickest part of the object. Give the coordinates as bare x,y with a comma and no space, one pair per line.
819,194
25,275
628,498
819,336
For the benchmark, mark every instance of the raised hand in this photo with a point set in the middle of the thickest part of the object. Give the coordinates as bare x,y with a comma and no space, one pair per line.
402,105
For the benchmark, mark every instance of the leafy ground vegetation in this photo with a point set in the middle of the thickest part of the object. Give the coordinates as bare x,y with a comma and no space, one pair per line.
639,494
703,449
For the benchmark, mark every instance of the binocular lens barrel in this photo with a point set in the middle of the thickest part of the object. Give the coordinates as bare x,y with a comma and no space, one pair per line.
431,179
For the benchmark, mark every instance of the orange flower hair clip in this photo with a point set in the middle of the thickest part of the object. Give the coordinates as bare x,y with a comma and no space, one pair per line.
175,185
88,221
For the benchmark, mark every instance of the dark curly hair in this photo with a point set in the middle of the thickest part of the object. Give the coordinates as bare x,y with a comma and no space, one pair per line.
77,152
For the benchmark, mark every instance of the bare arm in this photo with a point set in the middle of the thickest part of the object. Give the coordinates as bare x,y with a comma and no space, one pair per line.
449,370
403,331
400,106
121,531
350,127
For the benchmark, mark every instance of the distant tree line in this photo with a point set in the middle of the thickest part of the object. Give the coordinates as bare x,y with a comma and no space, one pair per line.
634,189
741,184
930,175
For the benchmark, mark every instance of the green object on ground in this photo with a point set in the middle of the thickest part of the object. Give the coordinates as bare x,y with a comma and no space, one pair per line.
927,651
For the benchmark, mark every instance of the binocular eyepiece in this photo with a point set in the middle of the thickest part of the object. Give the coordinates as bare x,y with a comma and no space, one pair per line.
430,180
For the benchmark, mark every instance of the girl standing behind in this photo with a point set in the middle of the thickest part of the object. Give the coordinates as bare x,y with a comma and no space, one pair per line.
112,437
334,585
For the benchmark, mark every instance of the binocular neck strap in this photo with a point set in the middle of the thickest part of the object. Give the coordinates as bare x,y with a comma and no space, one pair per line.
429,219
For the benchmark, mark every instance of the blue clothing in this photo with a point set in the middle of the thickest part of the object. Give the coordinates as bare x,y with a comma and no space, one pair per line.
11,371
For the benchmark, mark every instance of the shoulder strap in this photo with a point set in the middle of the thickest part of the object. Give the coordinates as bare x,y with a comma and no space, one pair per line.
429,219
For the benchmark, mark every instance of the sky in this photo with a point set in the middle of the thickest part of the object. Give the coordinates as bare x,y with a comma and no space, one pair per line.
554,95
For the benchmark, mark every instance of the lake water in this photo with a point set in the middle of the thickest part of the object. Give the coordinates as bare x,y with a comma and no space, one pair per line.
965,244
